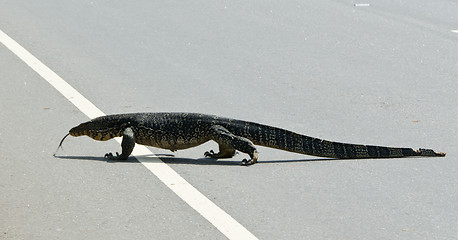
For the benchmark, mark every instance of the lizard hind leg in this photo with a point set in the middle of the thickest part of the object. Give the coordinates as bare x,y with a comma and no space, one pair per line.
228,143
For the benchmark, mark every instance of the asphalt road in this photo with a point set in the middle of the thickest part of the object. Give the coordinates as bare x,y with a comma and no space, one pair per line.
383,74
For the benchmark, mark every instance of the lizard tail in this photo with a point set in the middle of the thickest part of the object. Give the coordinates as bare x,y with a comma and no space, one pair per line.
324,148
290,141
429,153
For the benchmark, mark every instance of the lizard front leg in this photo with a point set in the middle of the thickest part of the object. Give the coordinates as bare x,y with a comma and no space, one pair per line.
228,143
127,145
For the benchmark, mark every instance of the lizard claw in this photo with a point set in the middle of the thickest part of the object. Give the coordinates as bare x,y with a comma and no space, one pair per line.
246,162
209,154
111,157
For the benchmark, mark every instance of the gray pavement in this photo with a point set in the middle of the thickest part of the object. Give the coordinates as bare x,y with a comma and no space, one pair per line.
385,74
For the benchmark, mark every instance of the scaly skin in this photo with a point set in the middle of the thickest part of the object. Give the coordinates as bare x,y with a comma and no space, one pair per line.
175,131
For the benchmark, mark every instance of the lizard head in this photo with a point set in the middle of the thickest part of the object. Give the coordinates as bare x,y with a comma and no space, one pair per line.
88,128
101,128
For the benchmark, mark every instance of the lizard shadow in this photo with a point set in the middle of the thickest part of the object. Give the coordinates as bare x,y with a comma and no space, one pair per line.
93,158
166,158
198,161
212,161
171,159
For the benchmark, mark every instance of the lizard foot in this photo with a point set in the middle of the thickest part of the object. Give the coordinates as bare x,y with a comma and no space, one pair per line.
253,160
246,162
210,154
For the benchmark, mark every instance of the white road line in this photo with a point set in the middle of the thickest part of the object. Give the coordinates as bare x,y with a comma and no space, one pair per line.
210,211
455,31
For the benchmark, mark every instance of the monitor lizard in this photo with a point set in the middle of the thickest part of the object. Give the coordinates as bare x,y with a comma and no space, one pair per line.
175,131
